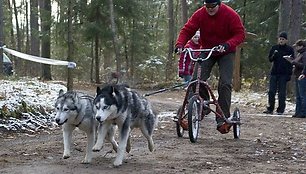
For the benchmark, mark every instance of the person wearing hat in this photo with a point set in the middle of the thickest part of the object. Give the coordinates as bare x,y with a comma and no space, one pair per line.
219,25
299,63
302,87
280,74
185,65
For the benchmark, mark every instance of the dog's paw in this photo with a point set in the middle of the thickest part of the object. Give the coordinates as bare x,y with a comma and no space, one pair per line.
66,156
96,148
151,145
117,163
86,161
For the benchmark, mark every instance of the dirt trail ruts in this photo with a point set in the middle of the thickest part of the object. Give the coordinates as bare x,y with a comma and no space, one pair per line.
267,145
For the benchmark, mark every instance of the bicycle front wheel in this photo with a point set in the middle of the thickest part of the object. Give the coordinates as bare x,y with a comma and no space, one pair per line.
193,119
236,126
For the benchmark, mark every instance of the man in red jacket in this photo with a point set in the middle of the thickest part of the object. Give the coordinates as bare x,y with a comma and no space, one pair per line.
219,25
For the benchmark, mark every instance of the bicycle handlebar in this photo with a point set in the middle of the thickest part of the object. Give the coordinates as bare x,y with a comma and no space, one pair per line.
210,51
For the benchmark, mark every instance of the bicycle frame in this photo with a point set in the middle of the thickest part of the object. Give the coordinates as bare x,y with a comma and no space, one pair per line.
189,118
198,82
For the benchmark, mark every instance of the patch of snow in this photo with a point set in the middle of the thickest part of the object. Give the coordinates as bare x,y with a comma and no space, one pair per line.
35,94
257,100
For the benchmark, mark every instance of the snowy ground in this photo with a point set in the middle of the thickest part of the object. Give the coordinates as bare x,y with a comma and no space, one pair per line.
37,95
42,95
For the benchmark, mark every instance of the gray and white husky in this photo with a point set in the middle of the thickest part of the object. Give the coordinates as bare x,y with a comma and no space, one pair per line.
75,109
125,107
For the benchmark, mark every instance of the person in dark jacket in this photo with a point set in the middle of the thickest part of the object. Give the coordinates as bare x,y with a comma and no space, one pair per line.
185,66
301,82
219,25
297,62
280,74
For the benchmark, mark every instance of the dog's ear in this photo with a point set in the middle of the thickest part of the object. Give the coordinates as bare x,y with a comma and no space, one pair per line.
61,92
98,91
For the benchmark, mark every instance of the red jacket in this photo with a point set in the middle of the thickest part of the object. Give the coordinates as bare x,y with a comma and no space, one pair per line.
185,65
224,27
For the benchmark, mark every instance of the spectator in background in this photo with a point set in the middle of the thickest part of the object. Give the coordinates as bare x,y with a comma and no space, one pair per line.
302,88
280,74
185,66
299,62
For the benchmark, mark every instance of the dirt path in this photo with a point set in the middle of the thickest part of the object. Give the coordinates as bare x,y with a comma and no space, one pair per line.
267,145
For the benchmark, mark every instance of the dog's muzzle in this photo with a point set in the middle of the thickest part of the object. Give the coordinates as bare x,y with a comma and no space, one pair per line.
99,119
58,121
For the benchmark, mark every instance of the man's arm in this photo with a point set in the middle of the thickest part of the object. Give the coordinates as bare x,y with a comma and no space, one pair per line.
238,30
188,30
273,54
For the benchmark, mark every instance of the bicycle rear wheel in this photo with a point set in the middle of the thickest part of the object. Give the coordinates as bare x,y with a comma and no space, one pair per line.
193,119
236,126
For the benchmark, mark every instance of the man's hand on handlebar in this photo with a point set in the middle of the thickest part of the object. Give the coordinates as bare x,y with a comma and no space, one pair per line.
178,50
223,47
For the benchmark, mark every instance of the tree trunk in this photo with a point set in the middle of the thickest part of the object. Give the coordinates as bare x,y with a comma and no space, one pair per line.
236,76
70,47
284,12
115,38
132,45
159,14
33,68
13,43
295,25
170,59
92,61
1,38
17,26
19,63
184,11
46,27
27,29
127,60
237,61
107,63
97,60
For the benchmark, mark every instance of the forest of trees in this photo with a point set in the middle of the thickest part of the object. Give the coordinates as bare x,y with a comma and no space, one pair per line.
133,37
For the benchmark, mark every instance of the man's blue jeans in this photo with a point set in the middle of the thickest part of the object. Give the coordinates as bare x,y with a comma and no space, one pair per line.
278,84
298,100
302,92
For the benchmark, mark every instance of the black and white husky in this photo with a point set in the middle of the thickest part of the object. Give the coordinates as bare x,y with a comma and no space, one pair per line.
75,109
120,105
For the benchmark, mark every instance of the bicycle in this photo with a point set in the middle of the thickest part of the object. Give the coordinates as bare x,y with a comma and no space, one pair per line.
196,104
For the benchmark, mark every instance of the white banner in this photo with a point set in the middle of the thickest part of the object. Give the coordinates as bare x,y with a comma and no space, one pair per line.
39,59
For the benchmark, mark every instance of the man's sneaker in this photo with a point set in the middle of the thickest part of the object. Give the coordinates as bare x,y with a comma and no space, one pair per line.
223,128
279,113
268,112
219,124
